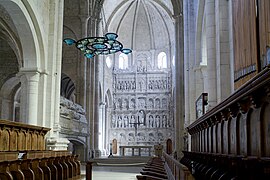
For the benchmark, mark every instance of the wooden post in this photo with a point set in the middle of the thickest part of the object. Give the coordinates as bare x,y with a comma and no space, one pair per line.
89,170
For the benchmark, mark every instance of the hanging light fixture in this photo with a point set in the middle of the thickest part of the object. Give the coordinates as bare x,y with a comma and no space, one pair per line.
92,46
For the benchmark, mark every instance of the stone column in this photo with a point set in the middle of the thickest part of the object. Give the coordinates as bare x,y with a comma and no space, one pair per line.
93,106
29,94
102,130
82,68
108,126
52,81
211,80
222,50
179,101
96,124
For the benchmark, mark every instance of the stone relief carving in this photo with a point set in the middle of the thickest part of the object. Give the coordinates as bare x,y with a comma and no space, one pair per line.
72,118
141,87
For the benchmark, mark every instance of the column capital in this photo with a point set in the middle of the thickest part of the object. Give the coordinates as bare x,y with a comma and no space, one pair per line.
29,75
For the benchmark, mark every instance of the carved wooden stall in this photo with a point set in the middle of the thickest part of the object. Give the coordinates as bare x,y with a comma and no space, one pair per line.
232,140
23,154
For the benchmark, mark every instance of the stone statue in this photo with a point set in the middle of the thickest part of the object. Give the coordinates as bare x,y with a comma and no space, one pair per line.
119,122
132,120
126,123
151,121
157,121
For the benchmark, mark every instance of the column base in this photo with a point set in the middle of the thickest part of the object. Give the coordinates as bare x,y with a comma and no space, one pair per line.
57,144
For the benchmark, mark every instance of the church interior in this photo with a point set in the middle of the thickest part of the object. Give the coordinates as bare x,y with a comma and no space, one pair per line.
179,87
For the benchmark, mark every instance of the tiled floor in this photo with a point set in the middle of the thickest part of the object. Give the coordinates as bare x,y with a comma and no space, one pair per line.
113,172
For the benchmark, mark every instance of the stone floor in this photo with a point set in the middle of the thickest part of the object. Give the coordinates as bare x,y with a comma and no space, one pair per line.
113,172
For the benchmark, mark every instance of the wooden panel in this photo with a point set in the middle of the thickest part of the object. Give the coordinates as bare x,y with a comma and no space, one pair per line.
245,49
266,130
210,138
215,138
232,138
243,134
28,141
34,141
255,133
200,145
13,141
219,138
41,142
21,139
205,134
203,141
225,137
264,29
4,139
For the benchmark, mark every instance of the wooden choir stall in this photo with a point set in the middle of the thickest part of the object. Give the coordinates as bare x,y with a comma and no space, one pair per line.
23,155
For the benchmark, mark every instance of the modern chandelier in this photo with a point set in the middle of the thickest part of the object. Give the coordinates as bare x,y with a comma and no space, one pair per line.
92,46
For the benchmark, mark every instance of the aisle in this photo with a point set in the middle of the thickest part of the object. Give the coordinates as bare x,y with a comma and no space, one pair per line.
113,173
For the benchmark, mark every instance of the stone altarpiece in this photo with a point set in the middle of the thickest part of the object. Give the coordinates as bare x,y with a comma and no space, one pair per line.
142,104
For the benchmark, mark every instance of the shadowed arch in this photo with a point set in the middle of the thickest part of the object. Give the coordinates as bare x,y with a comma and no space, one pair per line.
28,30
67,86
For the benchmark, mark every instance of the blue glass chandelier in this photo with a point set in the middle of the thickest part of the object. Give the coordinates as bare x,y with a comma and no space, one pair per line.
92,46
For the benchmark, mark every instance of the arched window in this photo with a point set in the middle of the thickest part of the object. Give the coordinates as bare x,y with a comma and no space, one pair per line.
109,62
162,60
173,61
123,61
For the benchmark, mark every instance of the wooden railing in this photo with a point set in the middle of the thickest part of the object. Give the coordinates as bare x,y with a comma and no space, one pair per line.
175,169
235,133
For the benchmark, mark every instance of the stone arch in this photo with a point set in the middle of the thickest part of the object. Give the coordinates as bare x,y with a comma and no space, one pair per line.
69,33
77,146
28,31
67,87
7,93
8,35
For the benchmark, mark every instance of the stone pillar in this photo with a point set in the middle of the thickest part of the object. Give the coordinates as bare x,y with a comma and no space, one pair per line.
29,96
211,80
102,130
52,79
93,94
186,63
222,50
191,66
108,122
81,89
96,124
179,112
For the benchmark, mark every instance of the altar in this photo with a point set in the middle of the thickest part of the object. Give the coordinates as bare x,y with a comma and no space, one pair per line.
133,148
